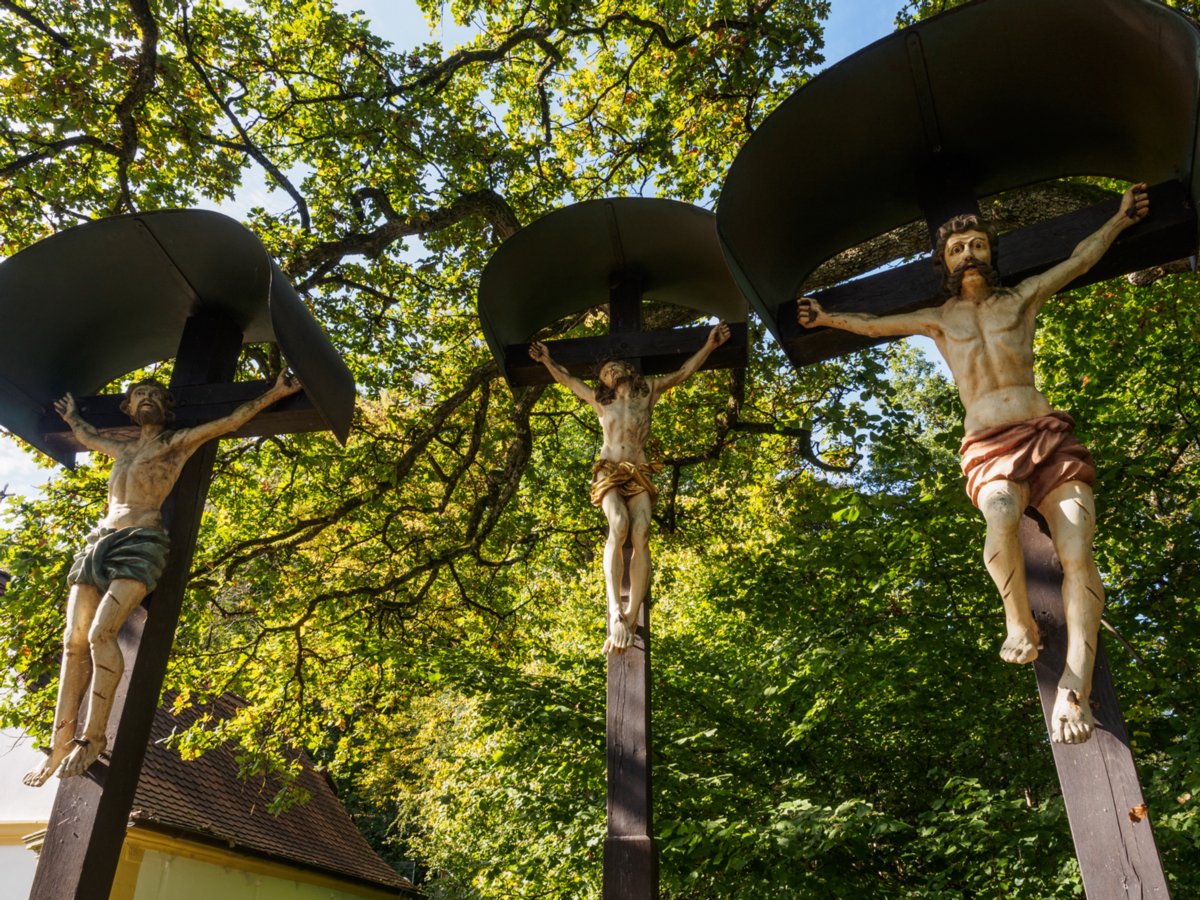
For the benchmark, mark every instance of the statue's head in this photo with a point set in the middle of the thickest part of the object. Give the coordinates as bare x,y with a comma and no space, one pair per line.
148,402
614,373
963,244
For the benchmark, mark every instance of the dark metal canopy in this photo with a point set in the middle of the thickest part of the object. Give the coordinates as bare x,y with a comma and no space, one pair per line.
990,96
574,258
90,304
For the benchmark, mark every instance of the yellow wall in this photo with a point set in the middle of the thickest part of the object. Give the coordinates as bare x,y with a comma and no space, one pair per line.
158,867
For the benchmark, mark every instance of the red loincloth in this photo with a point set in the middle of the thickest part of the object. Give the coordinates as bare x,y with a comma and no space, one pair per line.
1042,453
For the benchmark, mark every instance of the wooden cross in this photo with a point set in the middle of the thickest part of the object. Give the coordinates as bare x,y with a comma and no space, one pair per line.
630,853
88,822
615,250
1113,839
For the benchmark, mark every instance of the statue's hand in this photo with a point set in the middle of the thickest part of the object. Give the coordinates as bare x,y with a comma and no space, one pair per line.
66,407
539,353
719,335
1136,202
809,312
286,383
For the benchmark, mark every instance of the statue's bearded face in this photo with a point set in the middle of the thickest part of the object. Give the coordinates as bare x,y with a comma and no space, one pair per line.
968,256
148,404
615,371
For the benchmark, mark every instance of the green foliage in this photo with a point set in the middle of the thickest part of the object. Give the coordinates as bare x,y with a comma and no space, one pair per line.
422,610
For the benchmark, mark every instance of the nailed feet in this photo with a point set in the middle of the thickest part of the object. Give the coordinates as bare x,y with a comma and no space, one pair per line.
620,635
1071,720
39,776
81,758
1022,643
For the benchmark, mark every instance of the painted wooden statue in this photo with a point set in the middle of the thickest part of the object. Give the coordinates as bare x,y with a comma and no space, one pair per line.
1017,451
123,558
621,484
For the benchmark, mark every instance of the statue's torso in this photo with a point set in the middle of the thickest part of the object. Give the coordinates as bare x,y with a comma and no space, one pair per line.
988,347
626,426
142,477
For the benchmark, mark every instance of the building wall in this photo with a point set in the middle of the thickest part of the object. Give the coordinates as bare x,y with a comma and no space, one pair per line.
23,810
159,867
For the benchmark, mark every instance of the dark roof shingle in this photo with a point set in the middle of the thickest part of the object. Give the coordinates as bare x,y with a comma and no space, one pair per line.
204,797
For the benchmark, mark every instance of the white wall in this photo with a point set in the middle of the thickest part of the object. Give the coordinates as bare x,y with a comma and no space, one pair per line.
22,810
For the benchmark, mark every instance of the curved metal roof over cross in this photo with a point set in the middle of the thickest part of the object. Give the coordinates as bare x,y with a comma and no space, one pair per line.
574,258
90,304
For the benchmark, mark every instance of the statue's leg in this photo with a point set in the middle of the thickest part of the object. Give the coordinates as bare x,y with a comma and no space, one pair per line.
1002,504
123,597
73,680
1070,512
620,638
640,510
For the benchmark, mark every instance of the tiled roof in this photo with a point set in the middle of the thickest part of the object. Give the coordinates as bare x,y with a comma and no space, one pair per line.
204,797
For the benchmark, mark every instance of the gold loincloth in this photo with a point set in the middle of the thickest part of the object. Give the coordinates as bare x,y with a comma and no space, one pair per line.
1042,453
630,479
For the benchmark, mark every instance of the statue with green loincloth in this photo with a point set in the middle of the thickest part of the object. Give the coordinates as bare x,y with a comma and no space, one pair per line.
123,558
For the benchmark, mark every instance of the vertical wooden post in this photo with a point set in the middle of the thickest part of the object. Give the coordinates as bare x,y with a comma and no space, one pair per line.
630,857
1110,825
90,814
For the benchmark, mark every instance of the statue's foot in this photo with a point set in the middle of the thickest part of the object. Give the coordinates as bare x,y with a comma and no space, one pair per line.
1021,645
40,775
620,636
1071,719
81,758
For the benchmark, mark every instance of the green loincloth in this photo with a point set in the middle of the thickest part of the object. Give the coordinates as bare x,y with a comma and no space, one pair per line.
139,554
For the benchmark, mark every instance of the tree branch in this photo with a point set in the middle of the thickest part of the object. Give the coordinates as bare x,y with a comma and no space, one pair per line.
37,23
53,149
143,81
486,203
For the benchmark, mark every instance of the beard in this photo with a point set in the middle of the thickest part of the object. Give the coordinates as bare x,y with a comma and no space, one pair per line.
637,388
149,414
954,279
637,384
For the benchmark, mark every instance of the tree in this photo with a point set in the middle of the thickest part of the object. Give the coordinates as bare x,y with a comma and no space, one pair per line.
422,610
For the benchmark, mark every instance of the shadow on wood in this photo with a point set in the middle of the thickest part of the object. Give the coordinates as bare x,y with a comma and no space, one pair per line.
630,856
1118,858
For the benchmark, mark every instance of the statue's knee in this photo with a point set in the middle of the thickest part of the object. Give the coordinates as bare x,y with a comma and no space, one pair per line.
75,640
640,531
101,635
1076,556
1003,510
618,529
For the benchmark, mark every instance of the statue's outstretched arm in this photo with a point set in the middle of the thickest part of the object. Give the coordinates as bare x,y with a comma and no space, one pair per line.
85,433
927,322
285,385
1135,206
718,336
539,352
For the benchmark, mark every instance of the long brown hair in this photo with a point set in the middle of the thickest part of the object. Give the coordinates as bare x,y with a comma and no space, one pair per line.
605,394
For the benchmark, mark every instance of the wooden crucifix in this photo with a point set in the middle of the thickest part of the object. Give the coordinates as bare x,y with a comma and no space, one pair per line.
619,252
789,204
175,256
